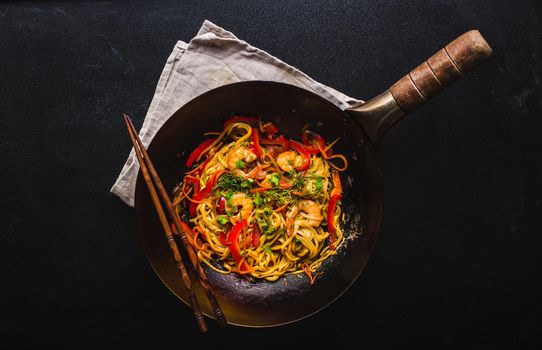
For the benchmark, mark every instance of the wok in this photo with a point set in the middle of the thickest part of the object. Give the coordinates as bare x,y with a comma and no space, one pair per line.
291,298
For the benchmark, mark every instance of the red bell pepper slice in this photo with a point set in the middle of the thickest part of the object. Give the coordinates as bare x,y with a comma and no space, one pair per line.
221,205
306,160
276,146
232,241
223,239
203,164
252,121
311,142
281,141
197,151
194,181
256,143
252,149
285,185
270,130
202,194
208,187
256,236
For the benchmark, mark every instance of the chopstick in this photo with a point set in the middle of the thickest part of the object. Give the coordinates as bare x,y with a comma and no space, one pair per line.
149,167
169,235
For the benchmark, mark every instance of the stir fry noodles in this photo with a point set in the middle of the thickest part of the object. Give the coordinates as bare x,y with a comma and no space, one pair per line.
259,204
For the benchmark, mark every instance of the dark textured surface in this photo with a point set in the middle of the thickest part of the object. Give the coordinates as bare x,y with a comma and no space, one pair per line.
458,263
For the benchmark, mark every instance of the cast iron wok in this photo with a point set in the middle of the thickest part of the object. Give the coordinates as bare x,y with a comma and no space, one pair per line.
291,298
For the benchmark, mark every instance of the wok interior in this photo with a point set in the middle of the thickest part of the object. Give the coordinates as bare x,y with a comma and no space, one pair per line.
262,303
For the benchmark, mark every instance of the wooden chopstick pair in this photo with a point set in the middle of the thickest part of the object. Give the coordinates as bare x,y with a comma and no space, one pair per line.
150,175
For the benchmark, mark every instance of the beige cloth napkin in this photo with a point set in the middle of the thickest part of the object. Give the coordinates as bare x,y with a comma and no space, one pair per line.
214,57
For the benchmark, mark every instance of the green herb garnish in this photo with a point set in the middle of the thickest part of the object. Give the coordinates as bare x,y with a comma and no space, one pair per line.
274,179
229,183
222,220
278,195
247,183
240,164
318,185
228,196
257,199
265,228
299,182
267,211
267,249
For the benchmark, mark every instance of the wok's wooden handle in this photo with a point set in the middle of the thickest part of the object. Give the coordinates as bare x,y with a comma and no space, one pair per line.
442,69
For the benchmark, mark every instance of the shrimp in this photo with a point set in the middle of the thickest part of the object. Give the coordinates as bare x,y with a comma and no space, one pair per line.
292,213
240,154
310,210
257,172
289,160
337,187
241,200
310,215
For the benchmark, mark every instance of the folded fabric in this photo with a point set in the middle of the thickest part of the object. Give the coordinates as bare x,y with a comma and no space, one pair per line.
214,57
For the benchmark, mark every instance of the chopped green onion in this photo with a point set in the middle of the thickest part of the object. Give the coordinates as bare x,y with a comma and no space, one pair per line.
222,220
274,179
247,183
299,182
229,198
318,185
258,199
240,164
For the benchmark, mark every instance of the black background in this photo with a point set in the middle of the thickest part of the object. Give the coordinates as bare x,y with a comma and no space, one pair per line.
458,262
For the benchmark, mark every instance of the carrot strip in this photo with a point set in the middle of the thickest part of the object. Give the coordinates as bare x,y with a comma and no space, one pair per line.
307,271
260,189
281,208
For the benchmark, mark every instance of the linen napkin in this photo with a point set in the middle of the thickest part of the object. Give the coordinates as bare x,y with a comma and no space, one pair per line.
214,57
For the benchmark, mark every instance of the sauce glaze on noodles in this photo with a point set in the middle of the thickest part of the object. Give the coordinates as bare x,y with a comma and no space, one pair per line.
262,205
